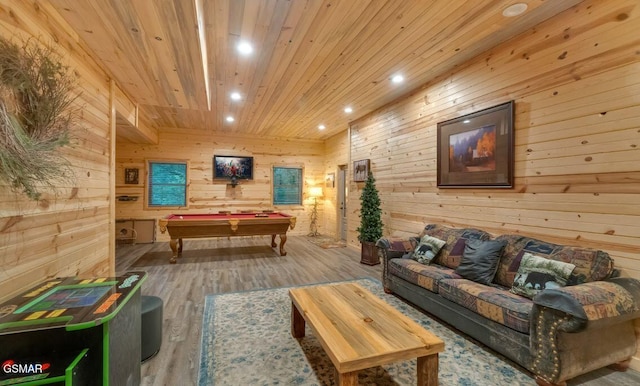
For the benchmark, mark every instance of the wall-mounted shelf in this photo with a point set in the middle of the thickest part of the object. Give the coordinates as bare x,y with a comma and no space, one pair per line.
127,198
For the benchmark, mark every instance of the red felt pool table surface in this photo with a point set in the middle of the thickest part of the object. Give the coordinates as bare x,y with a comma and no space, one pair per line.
181,226
226,216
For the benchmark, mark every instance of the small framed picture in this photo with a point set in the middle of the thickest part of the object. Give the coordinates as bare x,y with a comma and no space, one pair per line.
330,180
131,176
360,170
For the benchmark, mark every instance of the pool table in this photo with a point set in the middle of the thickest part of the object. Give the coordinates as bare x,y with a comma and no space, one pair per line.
182,226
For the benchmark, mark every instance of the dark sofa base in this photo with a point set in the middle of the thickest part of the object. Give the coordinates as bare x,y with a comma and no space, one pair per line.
510,343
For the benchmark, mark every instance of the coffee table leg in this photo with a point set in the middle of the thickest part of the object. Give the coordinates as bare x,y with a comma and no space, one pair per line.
297,322
348,379
428,370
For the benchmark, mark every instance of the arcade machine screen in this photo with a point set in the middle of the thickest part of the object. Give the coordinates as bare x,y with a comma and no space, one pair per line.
71,296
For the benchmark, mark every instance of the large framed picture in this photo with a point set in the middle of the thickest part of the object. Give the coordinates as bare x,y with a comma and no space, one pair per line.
226,167
476,150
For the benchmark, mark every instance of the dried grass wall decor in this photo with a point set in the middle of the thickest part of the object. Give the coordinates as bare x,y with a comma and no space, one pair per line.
36,116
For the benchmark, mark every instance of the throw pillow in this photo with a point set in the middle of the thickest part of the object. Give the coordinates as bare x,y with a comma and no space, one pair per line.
427,249
521,245
480,260
537,273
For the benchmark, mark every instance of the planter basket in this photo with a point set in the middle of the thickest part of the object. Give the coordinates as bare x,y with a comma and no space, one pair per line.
369,253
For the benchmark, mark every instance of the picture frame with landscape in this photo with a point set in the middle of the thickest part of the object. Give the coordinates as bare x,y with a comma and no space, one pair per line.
476,150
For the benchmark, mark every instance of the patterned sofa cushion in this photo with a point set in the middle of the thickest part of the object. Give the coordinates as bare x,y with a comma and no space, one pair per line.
497,304
516,247
451,254
591,264
425,276
397,246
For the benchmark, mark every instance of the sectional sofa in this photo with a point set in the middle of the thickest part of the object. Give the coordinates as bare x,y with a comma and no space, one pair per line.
499,291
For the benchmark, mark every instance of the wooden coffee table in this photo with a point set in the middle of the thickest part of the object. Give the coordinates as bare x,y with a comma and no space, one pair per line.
358,330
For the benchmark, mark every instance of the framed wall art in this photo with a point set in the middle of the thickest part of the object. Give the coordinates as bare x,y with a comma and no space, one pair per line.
476,150
330,180
131,176
360,170
226,167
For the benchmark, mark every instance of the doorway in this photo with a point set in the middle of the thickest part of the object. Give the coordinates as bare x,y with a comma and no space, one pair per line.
342,202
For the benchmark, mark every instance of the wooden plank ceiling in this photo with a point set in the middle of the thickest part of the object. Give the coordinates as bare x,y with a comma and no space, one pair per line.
311,59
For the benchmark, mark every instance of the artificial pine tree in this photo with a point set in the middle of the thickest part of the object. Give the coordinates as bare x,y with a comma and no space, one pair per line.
370,229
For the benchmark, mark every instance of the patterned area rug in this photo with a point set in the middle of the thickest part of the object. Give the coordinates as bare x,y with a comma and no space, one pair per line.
247,341
326,242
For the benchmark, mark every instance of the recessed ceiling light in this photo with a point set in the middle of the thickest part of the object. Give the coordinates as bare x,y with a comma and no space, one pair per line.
230,118
236,96
466,121
321,127
348,110
245,48
397,78
514,10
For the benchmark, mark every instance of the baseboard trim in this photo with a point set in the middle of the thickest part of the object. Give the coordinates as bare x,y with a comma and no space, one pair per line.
635,363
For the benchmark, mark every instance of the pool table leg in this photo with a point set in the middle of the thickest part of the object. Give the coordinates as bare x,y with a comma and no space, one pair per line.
176,247
283,239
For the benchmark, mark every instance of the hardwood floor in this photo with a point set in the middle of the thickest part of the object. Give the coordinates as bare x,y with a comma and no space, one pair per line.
210,266
219,265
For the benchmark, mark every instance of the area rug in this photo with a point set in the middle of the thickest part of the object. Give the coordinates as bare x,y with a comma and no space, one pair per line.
326,242
246,340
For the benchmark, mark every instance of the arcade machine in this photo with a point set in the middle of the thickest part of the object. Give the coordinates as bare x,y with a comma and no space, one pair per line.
71,331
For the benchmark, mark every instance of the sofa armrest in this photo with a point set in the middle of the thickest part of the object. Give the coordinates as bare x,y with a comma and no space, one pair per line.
395,246
391,248
595,309
595,303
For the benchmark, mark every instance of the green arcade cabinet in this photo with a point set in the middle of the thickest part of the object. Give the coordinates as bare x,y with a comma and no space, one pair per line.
72,331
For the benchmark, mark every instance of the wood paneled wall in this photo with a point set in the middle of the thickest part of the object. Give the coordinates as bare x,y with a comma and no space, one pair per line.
210,196
576,83
67,232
